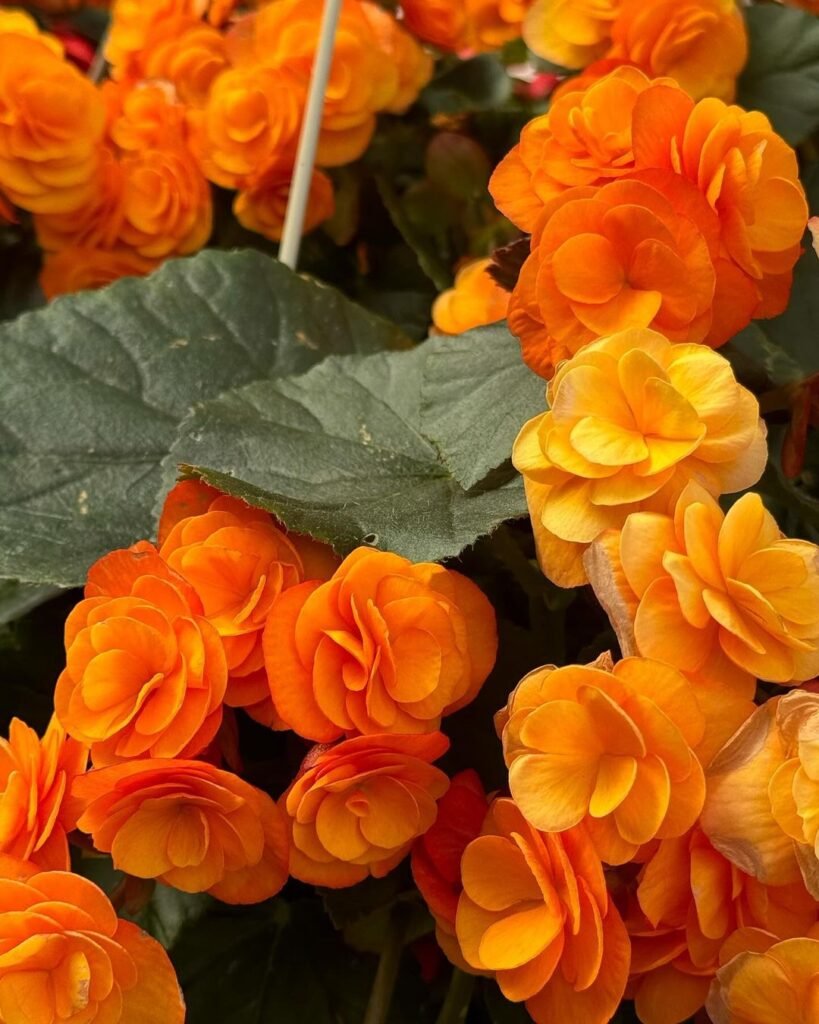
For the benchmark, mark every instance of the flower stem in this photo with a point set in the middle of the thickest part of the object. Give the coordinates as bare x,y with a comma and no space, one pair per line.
387,973
458,998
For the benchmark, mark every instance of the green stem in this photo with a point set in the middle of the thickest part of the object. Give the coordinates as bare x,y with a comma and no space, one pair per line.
387,973
458,998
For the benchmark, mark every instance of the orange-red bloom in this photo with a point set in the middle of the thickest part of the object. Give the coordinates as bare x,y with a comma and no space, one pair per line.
187,824
383,646
690,900
609,746
632,253
584,139
535,911
632,418
705,586
470,25
474,300
413,63
356,808
35,776
774,983
436,856
238,562
145,672
77,268
51,129
67,957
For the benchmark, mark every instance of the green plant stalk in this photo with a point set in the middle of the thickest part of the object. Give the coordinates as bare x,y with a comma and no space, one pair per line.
386,976
458,998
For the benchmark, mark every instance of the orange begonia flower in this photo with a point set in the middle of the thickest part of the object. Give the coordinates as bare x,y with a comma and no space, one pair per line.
584,139
356,808
703,44
632,418
188,825
238,562
632,253
68,958
51,130
251,120
364,78
77,268
383,646
690,900
535,912
702,586
436,856
145,672
466,25
777,986
748,173
607,745
262,204
413,63
474,300
571,33
34,779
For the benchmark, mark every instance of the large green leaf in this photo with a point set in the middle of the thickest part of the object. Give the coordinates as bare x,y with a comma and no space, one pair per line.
782,75
342,453
476,395
94,387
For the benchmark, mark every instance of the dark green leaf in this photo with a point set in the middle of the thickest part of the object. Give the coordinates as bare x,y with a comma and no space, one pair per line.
477,84
340,453
782,75
477,394
94,387
170,911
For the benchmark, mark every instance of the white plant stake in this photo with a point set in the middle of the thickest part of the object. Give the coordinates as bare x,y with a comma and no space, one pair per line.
308,140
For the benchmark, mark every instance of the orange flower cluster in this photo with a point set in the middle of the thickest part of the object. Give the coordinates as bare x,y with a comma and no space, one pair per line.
119,175
231,610
701,44
648,210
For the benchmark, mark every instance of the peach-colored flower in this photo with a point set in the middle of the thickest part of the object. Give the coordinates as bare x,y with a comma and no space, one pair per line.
535,912
356,808
609,746
690,899
187,824
383,646
777,986
632,418
705,586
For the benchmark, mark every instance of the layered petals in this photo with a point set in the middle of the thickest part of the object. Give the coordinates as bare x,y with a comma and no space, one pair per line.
535,912
188,824
473,301
632,419
357,807
383,646
145,671
607,746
